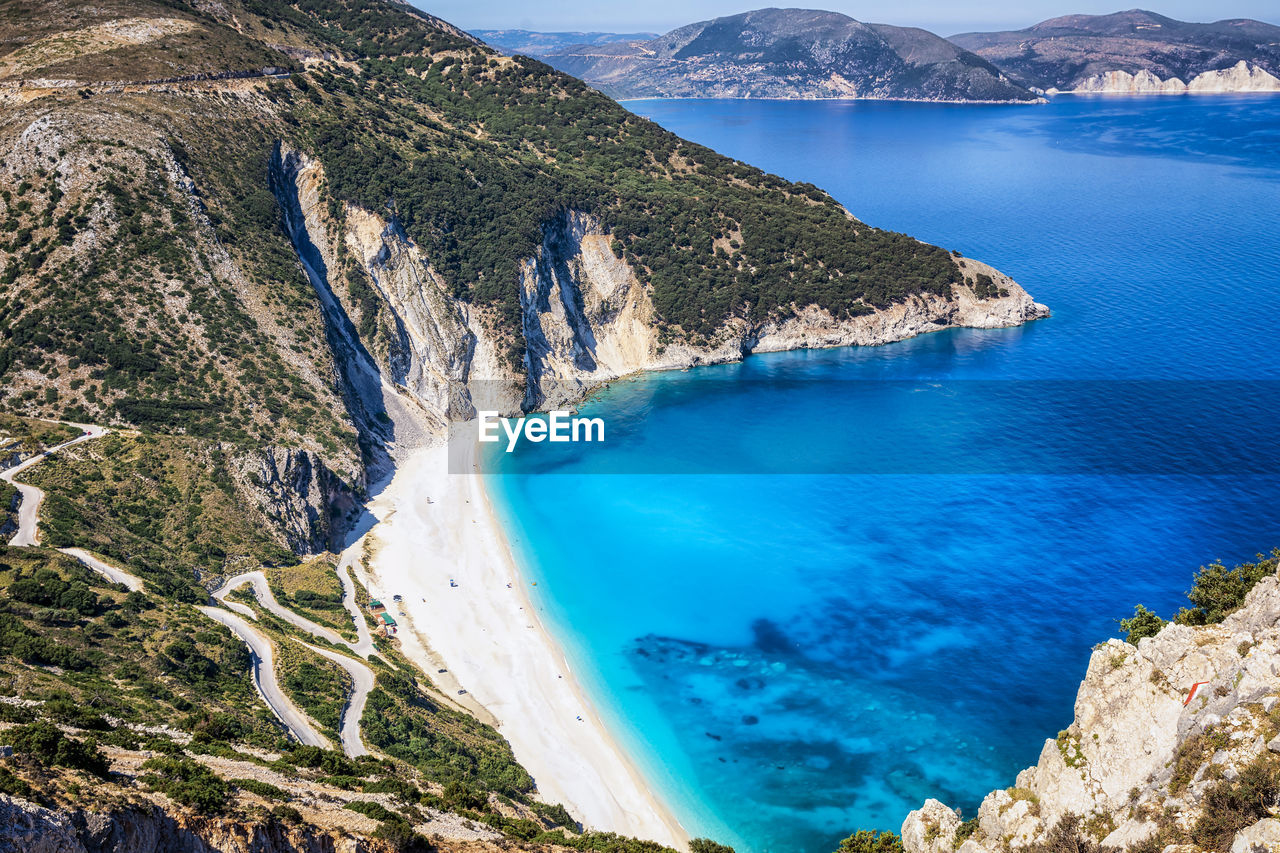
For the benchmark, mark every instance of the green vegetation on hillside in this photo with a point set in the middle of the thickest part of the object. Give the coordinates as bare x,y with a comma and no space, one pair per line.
30,435
602,842
871,841
318,686
1218,591
162,507
165,338
189,782
207,48
706,845
9,502
49,744
1232,805
361,28
128,655
446,745
311,588
1143,623
475,155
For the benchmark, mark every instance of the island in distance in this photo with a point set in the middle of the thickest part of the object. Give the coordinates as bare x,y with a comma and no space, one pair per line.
1135,52
785,53
532,43
804,54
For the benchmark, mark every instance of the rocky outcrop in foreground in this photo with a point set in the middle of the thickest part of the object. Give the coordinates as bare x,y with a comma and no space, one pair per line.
1173,748
28,828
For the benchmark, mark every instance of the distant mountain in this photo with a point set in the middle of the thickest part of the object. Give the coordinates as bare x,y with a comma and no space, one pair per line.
1135,51
531,43
789,53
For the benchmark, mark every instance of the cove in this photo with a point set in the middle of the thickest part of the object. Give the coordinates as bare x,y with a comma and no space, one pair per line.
794,650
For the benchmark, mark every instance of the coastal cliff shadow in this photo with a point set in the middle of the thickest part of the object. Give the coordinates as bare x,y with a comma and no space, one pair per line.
371,409
366,520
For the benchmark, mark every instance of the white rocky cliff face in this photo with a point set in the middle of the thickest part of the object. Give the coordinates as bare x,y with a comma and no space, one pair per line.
813,328
297,495
1139,763
1241,77
586,319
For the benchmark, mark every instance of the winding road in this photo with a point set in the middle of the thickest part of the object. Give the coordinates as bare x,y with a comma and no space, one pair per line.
260,647
132,582
264,677
362,678
260,651
28,511
361,683
266,598
364,638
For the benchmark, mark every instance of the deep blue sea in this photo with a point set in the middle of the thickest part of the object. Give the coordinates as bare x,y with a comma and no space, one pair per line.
815,588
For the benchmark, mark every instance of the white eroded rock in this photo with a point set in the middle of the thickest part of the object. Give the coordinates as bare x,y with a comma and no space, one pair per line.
1156,727
1262,837
930,828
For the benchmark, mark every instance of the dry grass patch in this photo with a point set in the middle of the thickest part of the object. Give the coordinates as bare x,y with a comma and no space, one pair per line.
312,589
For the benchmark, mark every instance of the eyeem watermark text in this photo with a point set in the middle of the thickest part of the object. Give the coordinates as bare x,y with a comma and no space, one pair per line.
557,426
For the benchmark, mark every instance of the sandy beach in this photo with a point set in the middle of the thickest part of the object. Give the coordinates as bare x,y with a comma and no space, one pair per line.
436,527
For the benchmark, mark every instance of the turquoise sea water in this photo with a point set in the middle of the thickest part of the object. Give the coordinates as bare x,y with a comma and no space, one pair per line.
882,580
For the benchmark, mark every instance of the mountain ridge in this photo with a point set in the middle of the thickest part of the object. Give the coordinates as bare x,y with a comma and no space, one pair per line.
789,53
1078,52
539,43
471,166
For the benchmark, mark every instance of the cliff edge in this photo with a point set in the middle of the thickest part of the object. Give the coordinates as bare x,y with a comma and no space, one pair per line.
1173,749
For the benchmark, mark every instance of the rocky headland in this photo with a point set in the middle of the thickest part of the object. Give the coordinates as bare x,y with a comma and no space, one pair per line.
587,318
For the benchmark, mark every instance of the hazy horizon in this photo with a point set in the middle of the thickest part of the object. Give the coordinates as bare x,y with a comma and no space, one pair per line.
938,16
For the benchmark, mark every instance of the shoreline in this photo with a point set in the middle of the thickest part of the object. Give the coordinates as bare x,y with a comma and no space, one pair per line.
437,528
1037,101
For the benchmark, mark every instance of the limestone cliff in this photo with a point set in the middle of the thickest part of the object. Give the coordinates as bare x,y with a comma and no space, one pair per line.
427,359
298,495
1241,77
1162,731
